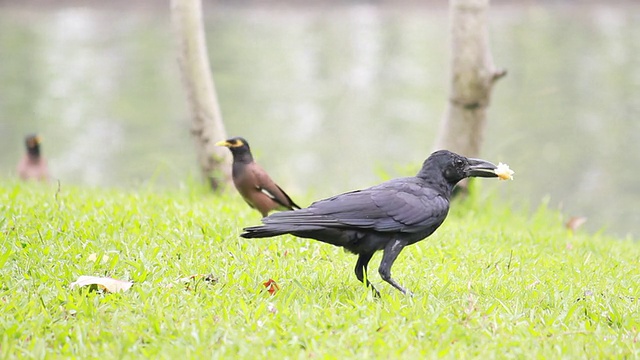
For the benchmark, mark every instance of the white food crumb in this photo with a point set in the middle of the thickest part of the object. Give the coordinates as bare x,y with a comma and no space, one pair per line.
503,172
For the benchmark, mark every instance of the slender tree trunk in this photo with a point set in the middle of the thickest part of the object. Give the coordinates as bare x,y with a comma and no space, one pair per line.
206,120
472,75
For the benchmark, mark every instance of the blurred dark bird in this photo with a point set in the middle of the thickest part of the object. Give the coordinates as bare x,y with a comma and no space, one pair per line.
33,165
386,217
252,182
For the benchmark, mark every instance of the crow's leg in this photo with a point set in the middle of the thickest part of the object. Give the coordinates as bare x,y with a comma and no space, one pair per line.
391,252
361,271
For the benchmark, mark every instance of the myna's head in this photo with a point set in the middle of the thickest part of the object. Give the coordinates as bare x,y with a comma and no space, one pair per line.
32,141
239,146
456,167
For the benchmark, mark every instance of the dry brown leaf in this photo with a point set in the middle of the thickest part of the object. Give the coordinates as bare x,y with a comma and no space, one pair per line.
272,286
107,284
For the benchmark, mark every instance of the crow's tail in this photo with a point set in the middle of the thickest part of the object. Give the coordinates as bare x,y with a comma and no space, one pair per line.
301,223
262,231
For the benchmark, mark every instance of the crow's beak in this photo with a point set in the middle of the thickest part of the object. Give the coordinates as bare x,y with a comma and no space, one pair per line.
223,143
481,168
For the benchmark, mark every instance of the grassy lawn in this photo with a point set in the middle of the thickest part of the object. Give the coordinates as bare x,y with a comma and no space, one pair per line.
490,283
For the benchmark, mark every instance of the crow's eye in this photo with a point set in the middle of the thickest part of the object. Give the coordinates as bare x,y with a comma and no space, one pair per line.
459,162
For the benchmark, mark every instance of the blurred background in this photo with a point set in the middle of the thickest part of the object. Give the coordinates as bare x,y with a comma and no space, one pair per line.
331,97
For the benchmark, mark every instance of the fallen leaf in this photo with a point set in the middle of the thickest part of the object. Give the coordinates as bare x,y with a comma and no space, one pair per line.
272,286
107,284
93,257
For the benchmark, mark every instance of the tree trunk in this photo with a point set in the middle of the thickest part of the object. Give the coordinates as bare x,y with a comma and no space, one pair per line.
472,75
206,120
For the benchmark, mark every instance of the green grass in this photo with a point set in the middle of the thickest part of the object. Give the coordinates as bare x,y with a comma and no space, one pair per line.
489,283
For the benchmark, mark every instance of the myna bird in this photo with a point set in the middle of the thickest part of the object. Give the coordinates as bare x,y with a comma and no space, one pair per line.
252,182
33,165
386,217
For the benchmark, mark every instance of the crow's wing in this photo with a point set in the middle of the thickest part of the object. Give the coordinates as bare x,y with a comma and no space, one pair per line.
400,205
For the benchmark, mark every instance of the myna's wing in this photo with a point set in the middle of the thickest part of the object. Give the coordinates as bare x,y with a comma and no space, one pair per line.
271,189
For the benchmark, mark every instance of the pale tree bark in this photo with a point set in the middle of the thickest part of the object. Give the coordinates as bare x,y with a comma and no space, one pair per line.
206,120
472,75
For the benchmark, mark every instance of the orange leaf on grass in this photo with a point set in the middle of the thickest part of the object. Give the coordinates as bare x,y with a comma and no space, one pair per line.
272,286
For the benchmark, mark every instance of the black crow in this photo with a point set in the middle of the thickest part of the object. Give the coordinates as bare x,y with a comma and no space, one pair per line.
252,182
387,217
